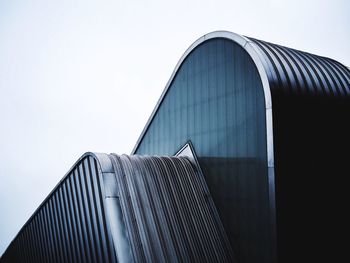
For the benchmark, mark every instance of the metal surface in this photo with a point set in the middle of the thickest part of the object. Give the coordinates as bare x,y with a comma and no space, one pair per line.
282,70
111,208
70,225
294,71
168,212
217,101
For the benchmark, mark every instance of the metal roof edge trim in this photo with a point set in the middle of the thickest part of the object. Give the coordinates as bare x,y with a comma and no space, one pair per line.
247,45
104,165
253,52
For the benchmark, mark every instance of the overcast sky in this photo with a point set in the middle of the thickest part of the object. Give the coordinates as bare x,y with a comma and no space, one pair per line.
78,76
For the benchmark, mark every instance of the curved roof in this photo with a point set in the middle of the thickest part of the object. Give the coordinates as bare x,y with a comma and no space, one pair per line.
140,207
292,70
281,69
167,210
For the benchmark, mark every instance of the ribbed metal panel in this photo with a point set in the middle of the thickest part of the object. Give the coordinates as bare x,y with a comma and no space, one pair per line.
70,225
112,208
295,71
168,211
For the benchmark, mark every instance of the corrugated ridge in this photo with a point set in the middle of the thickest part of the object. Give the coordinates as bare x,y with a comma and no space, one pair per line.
70,225
302,72
168,212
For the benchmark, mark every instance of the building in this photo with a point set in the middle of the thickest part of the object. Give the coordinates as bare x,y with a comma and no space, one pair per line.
269,128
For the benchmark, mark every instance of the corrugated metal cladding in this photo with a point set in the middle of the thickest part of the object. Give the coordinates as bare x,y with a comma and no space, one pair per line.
70,225
295,71
168,210
112,208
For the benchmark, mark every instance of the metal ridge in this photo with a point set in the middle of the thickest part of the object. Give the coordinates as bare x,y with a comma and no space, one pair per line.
302,72
167,211
120,208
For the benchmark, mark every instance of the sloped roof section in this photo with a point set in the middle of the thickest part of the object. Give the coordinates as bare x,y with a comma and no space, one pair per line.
292,70
168,213
281,69
111,208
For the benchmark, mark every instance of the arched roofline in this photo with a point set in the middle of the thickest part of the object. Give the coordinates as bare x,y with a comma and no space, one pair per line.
104,165
252,51
246,44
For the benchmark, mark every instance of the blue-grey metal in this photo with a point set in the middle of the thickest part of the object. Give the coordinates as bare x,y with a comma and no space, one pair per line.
168,213
295,71
71,224
111,208
282,70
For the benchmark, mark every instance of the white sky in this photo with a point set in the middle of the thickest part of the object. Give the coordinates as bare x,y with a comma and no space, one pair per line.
78,76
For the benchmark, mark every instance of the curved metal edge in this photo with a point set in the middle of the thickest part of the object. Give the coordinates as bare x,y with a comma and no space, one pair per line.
101,165
105,169
247,45
112,207
113,210
252,51
87,154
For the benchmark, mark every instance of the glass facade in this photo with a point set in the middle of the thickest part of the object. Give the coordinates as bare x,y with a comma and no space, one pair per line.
216,101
